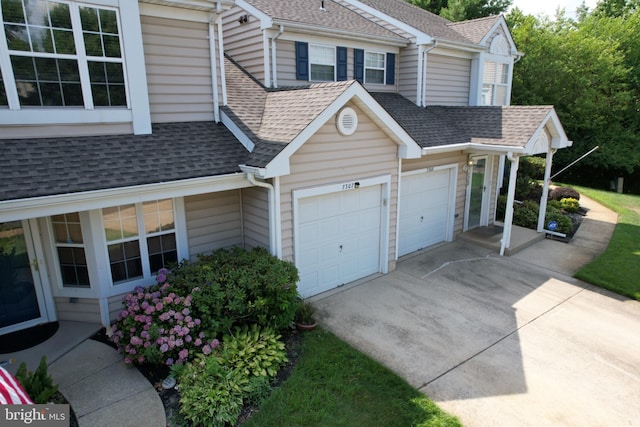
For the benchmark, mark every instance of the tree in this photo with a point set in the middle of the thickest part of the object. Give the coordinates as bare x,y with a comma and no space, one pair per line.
590,71
462,10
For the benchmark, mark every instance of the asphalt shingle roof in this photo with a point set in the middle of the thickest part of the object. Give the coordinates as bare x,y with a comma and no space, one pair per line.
475,29
272,118
418,18
174,151
435,126
334,16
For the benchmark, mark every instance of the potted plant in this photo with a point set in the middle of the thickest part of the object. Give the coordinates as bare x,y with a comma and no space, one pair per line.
304,317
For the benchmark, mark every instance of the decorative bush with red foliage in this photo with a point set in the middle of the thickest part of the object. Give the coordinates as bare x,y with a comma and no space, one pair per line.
560,193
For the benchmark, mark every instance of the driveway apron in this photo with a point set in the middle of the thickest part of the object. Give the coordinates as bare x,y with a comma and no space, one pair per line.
498,341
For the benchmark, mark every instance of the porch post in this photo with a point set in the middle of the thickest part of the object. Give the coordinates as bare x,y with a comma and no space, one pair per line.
545,189
511,195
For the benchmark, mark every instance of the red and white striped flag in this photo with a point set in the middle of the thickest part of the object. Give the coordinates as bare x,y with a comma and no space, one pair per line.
11,392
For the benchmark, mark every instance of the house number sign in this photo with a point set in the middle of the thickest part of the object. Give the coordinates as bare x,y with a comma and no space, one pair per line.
350,186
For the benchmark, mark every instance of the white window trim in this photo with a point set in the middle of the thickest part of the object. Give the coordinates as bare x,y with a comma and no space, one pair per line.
477,70
137,111
384,68
333,64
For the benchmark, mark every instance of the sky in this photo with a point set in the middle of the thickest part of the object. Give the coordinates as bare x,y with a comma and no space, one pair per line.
548,7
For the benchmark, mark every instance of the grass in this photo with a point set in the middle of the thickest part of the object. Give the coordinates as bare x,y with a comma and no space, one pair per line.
335,385
618,268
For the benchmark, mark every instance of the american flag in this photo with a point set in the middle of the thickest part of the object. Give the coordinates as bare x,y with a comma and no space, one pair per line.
11,392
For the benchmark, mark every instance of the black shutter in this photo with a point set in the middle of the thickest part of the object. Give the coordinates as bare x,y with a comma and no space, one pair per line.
302,61
391,69
341,61
358,65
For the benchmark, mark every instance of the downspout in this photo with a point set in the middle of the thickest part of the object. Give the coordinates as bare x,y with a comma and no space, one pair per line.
223,78
265,58
545,189
274,62
272,210
423,51
511,195
214,70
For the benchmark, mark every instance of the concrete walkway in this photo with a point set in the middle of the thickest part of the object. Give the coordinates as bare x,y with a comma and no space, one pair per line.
503,341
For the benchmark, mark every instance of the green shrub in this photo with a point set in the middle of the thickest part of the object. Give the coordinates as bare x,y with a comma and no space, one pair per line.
560,193
570,204
254,352
236,287
526,214
564,223
532,167
39,384
214,388
554,204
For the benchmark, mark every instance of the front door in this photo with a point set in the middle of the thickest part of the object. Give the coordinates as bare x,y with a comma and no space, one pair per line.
477,192
21,299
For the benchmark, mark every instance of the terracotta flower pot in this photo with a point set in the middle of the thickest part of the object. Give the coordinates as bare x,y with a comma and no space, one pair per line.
306,326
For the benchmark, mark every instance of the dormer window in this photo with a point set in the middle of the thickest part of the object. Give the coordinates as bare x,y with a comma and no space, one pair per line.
495,83
61,55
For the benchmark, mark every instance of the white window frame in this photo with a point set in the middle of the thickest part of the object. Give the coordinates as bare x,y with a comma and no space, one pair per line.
56,245
141,238
489,89
137,111
384,67
332,64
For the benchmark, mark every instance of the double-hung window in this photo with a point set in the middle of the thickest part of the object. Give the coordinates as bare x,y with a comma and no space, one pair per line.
141,239
61,54
374,68
69,243
495,83
322,63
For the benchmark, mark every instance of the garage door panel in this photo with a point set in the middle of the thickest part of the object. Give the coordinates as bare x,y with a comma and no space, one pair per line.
338,243
424,210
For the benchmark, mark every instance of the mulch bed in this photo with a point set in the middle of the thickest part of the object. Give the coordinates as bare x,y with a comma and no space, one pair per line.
576,220
155,374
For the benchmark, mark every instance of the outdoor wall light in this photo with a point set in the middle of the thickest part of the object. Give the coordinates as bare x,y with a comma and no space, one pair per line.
243,19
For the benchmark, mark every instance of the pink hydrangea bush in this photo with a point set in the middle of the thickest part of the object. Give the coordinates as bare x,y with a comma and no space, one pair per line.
155,326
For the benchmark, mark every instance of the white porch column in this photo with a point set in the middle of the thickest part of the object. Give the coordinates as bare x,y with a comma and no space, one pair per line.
511,195
545,189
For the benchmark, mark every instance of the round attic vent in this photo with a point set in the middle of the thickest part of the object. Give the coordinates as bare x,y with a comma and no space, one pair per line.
347,121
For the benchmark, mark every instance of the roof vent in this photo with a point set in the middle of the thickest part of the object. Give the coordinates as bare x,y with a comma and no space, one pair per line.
322,6
347,121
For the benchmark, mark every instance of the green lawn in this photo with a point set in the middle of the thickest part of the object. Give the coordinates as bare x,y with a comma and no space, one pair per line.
617,269
335,385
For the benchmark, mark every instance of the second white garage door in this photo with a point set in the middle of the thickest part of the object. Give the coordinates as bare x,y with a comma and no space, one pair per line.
338,238
426,209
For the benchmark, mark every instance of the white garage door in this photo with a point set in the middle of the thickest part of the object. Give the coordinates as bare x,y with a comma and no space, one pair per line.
425,209
338,238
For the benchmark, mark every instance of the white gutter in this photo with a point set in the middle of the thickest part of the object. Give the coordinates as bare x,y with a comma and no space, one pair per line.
214,70
265,59
346,34
274,59
223,78
511,195
423,51
272,212
471,146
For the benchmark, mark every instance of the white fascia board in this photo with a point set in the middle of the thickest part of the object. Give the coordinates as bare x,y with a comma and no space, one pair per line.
168,12
343,34
502,23
559,138
421,38
466,47
13,210
258,172
265,20
408,147
204,5
471,146
237,132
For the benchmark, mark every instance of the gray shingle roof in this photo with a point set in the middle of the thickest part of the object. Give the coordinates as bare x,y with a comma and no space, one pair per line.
272,118
418,18
335,16
475,29
174,151
511,126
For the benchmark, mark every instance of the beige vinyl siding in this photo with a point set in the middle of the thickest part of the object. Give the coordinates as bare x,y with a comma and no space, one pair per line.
408,73
448,80
458,157
213,222
115,306
243,42
329,158
178,63
286,57
67,130
255,215
84,310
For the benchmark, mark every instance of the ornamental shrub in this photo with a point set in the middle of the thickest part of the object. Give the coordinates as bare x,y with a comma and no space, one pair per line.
564,223
560,193
526,214
214,388
570,204
157,326
39,384
234,287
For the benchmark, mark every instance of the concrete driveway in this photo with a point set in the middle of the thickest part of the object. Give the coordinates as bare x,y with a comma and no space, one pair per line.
497,341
